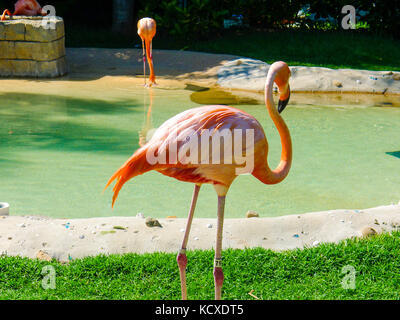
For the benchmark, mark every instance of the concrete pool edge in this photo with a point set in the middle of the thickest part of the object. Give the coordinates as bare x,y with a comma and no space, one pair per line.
66,239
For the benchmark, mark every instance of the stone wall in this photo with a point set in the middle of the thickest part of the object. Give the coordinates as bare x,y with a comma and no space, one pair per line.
27,49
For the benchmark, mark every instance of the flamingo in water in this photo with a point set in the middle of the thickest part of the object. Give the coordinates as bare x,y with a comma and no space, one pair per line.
193,123
146,31
25,8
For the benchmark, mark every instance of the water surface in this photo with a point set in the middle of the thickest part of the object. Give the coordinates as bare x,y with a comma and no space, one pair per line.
60,142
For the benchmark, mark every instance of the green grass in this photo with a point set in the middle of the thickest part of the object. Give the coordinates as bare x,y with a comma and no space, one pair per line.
332,49
312,273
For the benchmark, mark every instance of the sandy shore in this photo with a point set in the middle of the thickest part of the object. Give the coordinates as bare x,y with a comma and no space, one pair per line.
224,71
62,239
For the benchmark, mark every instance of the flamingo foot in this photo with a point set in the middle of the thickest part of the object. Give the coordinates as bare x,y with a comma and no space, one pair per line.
218,280
182,263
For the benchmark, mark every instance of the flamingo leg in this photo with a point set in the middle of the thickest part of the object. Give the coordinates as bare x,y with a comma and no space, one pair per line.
181,257
218,273
6,12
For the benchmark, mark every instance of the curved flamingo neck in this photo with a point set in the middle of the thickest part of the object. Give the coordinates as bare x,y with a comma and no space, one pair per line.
265,174
149,56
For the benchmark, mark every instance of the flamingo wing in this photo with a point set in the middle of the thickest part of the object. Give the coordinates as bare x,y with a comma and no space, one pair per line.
166,152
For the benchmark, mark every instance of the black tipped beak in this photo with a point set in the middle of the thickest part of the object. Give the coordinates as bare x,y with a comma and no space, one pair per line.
283,103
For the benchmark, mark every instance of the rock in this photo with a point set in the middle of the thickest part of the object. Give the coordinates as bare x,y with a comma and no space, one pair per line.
151,222
27,49
82,236
368,231
196,238
209,225
315,243
251,214
396,76
140,215
337,83
43,255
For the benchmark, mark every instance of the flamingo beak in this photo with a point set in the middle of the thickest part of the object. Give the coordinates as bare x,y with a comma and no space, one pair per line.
283,103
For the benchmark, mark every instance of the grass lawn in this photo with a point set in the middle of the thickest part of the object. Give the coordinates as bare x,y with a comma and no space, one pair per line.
313,273
332,49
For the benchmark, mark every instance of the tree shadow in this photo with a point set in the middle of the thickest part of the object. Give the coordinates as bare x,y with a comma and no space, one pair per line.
394,154
38,121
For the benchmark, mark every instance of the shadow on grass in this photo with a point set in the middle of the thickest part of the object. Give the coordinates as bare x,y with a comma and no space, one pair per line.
38,121
394,154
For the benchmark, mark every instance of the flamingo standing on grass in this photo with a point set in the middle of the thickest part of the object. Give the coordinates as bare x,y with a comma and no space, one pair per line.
193,123
146,31
25,8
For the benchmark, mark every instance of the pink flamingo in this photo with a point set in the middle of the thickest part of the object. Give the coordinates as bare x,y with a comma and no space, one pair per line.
25,8
219,175
147,31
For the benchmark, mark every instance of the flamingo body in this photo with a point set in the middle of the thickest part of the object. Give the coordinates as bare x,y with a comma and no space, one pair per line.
26,8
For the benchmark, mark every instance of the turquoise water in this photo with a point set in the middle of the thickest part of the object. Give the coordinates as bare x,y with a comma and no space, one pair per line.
57,152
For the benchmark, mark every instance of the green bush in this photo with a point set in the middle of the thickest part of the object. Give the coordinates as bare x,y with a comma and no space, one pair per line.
202,18
198,20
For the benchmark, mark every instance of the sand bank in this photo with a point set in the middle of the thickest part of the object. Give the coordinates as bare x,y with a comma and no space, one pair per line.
66,239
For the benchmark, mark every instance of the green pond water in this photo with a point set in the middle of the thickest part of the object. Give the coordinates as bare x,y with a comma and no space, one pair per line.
57,153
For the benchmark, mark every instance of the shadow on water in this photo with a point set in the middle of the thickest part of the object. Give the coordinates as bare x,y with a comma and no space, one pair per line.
394,154
69,124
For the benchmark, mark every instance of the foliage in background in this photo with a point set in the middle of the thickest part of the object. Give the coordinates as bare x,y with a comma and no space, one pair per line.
201,18
198,20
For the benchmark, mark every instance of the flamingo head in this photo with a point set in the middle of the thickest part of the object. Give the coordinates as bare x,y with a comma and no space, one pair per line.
282,81
146,28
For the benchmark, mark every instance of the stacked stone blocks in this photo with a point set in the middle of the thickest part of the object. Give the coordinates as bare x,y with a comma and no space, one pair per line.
28,49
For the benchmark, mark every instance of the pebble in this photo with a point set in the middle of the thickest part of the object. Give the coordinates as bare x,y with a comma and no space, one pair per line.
315,243
368,231
195,238
209,225
358,81
22,225
182,230
151,222
341,220
337,83
43,255
251,214
81,236
140,215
